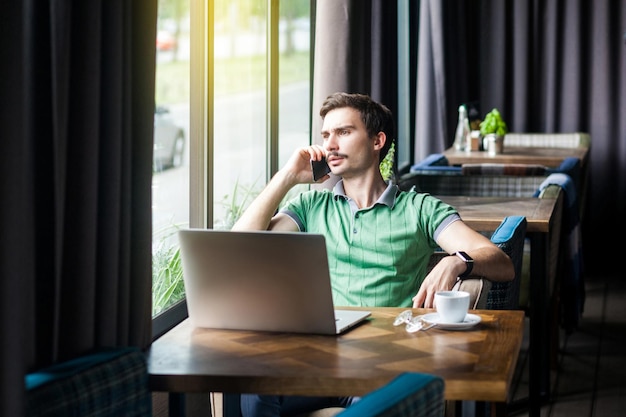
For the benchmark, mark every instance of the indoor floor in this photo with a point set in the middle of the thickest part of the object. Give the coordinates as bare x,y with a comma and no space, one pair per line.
590,377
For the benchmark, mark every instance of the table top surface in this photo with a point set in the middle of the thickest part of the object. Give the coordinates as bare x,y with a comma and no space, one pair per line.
486,213
550,157
476,363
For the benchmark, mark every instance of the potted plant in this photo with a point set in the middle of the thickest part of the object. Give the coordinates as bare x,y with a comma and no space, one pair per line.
493,129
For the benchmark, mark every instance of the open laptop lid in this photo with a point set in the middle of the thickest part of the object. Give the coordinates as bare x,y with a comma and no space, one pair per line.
260,280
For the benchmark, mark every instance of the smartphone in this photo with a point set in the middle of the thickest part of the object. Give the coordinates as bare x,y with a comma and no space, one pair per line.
319,168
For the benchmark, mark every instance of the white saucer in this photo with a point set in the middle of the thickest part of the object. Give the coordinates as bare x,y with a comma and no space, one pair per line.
470,320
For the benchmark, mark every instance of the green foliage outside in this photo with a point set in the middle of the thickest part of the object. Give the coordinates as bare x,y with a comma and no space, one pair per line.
236,203
167,272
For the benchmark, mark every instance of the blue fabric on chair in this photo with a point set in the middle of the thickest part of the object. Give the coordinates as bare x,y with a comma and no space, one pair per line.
569,166
434,159
408,395
435,163
509,237
571,278
108,383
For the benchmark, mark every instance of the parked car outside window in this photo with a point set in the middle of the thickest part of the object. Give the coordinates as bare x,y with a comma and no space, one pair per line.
169,141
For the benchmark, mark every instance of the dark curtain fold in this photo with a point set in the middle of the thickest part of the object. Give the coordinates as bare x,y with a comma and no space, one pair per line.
76,168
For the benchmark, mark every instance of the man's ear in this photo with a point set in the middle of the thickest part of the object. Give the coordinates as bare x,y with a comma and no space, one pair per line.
379,140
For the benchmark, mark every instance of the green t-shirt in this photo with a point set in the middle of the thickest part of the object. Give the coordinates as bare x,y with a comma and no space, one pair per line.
378,255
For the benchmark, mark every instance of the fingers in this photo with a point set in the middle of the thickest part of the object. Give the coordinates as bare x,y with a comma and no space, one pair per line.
425,300
421,298
430,300
425,297
316,152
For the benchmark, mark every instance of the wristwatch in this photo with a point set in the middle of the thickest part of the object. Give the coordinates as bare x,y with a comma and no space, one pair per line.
469,263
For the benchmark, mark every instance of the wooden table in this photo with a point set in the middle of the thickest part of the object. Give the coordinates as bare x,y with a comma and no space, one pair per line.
476,364
543,216
550,157
486,213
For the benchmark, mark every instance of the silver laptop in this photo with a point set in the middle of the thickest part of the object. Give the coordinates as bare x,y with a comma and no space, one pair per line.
261,280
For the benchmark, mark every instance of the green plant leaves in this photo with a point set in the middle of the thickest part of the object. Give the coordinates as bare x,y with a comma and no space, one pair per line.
493,123
386,165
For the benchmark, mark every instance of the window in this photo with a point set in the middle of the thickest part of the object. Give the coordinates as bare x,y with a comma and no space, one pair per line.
234,76
170,179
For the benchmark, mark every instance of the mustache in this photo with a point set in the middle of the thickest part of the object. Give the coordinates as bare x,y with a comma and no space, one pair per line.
335,153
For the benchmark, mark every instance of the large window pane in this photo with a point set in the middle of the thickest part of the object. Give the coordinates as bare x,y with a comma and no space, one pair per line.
238,141
294,76
239,124
170,180
241,120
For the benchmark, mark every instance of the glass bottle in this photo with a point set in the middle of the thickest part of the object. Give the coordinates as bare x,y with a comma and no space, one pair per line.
462,139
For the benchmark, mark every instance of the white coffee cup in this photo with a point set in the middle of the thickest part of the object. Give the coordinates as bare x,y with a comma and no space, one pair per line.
452,306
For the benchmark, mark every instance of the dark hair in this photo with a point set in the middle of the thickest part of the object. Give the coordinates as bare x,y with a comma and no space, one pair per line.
375,116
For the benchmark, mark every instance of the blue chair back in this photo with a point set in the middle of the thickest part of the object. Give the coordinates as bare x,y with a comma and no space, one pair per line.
409,394
509,237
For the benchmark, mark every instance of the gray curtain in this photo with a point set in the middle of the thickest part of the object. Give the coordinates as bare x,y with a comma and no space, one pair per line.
547,65
355,51
77,88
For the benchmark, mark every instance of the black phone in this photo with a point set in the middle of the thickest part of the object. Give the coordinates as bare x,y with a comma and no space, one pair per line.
319,168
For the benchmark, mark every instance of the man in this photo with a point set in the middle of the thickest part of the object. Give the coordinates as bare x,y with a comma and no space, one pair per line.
379,239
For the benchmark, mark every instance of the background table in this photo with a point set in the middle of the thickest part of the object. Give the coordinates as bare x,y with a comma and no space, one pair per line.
550,157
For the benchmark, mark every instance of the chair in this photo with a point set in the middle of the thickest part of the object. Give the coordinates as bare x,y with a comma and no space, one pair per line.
548,140
437,183
438,164
558,140
570,267
408,395
107,383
